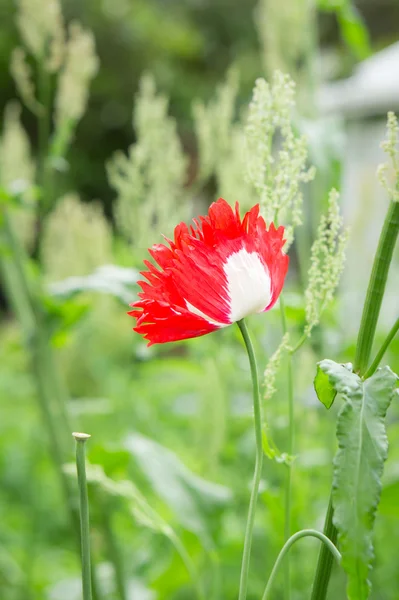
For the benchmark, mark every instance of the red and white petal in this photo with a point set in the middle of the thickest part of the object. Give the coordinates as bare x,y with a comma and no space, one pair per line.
216,272
159,323
248,284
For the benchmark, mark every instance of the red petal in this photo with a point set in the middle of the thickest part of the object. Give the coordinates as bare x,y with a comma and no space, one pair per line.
192,278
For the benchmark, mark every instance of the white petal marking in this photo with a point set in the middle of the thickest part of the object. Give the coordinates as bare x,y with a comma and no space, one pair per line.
199,313
248,284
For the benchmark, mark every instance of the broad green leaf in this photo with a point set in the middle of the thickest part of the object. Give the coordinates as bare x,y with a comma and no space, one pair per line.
358,466
190,497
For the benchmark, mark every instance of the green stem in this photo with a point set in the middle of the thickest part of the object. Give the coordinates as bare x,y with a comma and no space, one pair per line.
26,305
371,311
33,317
373,367
290,449
325,561
23,293
334,553
376,288
84,513
258,462
300,343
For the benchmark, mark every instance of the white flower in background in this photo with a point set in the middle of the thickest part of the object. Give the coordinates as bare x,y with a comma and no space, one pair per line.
80,67
42,30
23,78
388,175
17,171
214,126
149,181
326,262
276,156
76,239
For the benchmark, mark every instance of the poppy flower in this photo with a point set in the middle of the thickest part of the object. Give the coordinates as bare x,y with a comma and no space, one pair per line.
213,273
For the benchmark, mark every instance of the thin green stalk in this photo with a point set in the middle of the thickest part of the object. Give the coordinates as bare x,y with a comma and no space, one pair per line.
290,449
25,305
378,357
300,343
81,439
376,288
325,560
23,292
334,553
368,324
258,462
44,398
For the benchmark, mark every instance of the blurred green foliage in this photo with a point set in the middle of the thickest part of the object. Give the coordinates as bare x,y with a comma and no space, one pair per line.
174,421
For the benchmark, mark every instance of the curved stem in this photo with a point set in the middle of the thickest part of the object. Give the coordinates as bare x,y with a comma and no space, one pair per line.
290,450
325,562
373,367
258,462
334,553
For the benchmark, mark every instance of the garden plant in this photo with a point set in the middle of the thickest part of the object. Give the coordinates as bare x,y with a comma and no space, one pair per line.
187,485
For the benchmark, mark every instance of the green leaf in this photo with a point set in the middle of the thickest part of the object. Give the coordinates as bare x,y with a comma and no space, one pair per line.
325,391
351,23
354,31
190,497
358,466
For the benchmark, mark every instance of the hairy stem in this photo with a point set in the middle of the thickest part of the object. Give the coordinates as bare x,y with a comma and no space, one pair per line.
334,553
258,462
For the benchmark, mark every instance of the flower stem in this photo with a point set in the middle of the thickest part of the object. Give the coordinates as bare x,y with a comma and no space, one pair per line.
334,553
373,367
84,513
325,561
371,311
258,462
290,450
